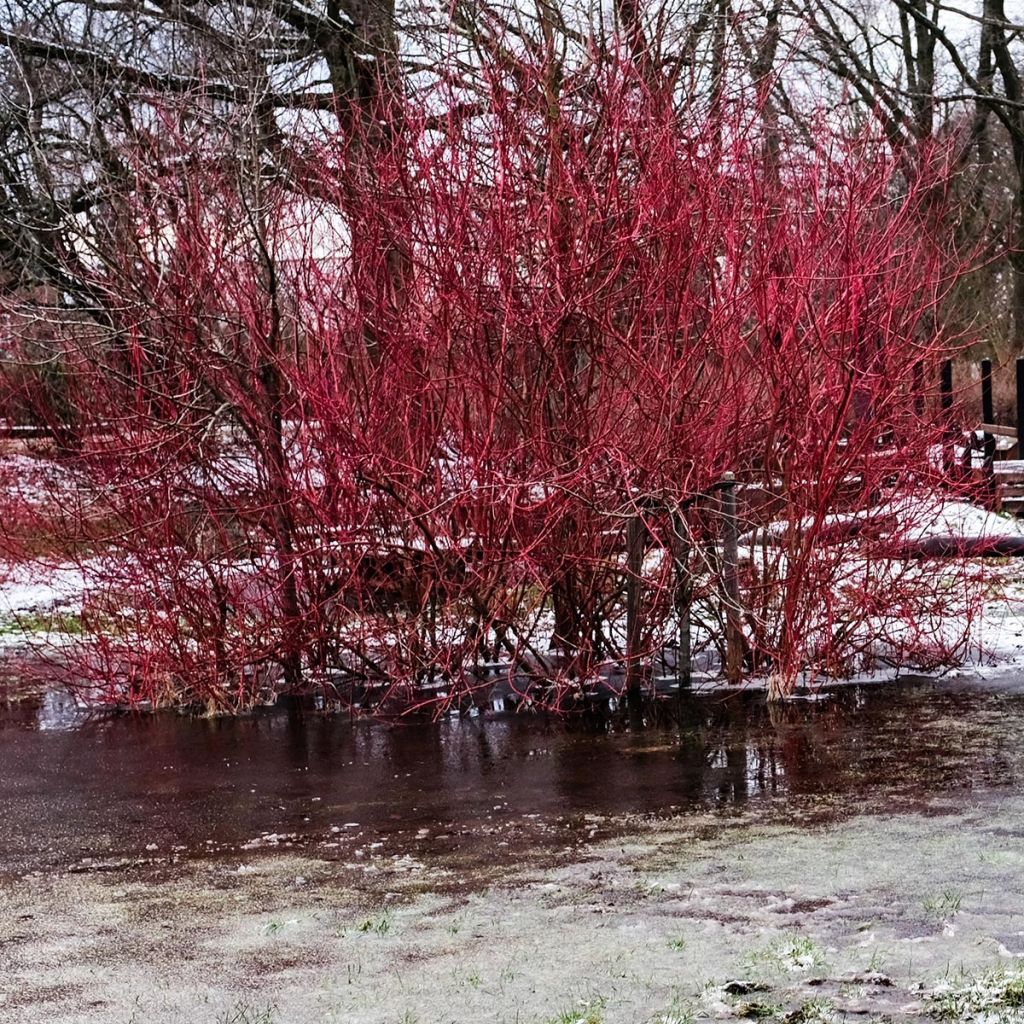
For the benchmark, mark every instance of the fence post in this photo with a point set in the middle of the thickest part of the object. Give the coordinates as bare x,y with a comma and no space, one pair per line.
683,596
988,417
946,406
1020,405
635,530
731,582
991,486
988,414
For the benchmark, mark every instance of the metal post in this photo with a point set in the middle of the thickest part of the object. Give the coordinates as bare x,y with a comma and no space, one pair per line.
731,582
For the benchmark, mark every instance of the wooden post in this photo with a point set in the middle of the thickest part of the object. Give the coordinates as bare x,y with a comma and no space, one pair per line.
635,531
946,386
946,406
731,582
990,472
1020,404
683,596
988,416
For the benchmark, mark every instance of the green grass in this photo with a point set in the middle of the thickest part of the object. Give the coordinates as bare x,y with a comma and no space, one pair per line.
722,1001
757,1010
677,1013
379,924
587,1011
943,905
814,1011
37,622
995,996
243,1013
786,955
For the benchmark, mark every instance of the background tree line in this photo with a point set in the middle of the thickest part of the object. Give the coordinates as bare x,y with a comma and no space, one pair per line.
80,79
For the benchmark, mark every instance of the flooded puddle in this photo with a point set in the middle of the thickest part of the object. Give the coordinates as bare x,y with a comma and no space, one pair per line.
77,791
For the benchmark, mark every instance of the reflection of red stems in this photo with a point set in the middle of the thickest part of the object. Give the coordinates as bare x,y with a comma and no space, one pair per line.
391,416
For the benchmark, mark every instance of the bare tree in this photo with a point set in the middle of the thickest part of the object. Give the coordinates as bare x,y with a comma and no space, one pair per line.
83,77
928,69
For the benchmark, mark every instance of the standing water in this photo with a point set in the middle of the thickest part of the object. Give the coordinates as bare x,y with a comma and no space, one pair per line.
81,790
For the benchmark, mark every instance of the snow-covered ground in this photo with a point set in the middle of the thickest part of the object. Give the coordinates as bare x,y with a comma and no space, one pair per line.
33,588
958,519
34,596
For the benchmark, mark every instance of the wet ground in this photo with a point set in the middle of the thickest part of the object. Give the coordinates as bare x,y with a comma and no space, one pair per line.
830,856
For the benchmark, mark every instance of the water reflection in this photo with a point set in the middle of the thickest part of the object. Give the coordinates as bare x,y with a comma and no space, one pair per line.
119,785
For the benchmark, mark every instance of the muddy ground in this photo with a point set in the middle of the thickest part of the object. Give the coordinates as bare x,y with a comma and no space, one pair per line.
670,920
